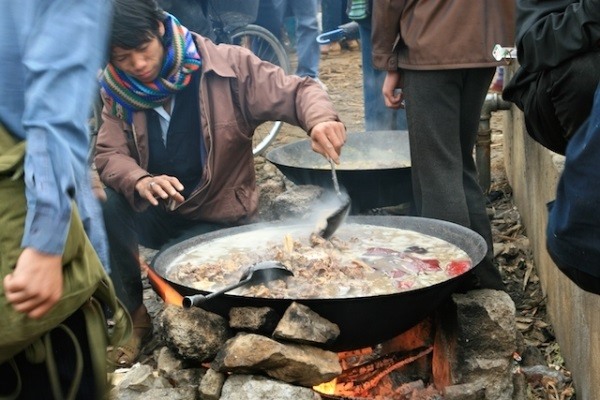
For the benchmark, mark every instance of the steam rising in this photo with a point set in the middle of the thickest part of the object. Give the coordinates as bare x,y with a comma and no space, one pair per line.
325,206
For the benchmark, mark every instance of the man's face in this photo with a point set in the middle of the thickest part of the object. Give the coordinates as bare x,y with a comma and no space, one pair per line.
143,63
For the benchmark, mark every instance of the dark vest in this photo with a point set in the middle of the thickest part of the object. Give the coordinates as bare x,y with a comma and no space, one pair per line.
184,154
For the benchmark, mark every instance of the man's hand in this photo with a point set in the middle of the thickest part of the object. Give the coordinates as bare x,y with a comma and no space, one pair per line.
327,138
393,98
163,186
36,284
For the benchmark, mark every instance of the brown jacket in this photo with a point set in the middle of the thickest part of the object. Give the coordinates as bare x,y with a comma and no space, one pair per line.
237,93
440,34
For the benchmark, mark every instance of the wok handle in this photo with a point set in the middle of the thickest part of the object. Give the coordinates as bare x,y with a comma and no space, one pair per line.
197,299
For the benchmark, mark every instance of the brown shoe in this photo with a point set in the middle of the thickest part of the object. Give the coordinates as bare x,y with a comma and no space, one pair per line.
352,45
127,354
335,48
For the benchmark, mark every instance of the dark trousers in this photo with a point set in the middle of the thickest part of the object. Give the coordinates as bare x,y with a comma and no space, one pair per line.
34,376
333,14
443,109
587,282
153,228
270,17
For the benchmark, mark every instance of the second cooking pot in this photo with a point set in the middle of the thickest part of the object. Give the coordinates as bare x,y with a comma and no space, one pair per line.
374,169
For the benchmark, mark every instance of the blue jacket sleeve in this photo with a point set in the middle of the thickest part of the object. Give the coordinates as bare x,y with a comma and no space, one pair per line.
62,50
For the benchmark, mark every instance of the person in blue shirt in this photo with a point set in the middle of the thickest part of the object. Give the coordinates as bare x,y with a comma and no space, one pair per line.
51,52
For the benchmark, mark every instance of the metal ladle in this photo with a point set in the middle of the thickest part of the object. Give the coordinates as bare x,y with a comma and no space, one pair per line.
262,272
327,228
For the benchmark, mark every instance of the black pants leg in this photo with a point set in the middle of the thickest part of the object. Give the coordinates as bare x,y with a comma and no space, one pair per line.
34,376
443,109
119,219
153,228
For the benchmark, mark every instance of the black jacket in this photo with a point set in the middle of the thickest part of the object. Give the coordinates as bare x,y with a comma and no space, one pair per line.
549,32
573,231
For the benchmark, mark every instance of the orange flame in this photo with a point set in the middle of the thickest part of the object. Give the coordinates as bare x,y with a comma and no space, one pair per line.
327,387
162,287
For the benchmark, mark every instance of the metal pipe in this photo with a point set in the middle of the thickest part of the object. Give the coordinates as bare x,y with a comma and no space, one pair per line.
493,102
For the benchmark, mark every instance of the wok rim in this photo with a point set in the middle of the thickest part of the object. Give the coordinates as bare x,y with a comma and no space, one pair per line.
365,220
276,155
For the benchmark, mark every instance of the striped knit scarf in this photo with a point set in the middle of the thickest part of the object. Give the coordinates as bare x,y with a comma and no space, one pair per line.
181,59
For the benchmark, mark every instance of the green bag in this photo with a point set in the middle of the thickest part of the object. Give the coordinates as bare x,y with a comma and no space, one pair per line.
86,284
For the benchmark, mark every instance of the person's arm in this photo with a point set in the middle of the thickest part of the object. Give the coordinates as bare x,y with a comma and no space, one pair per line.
385,33
268,94
548,37
119,169
59,80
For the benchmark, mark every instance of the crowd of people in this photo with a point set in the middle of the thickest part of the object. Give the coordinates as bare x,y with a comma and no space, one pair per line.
174,151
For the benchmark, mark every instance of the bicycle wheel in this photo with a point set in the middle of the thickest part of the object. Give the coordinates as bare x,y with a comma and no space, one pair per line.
266,46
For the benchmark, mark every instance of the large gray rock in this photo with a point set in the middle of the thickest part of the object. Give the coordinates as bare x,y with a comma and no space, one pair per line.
301,324
477,343
298,364
249,387
193,333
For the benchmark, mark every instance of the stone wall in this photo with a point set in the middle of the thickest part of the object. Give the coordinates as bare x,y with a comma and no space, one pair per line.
533,173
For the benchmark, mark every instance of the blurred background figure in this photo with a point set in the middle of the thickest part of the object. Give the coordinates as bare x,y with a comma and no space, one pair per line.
498,81
192,14
333,14
271,14
377,116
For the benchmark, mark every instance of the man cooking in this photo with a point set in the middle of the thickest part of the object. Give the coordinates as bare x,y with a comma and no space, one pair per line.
175,147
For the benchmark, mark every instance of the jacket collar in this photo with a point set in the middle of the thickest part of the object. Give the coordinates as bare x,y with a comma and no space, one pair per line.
212,59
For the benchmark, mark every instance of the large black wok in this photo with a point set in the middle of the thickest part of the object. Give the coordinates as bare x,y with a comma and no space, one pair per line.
387,184
363,321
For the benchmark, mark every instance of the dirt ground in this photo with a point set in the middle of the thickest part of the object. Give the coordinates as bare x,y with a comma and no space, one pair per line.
341,73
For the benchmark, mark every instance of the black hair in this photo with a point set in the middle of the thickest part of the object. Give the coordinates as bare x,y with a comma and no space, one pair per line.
134,23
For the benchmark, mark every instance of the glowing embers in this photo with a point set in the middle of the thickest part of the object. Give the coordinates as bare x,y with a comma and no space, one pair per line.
393,370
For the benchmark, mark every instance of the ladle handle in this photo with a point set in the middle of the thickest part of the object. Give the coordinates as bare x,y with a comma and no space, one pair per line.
197,299
336,185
